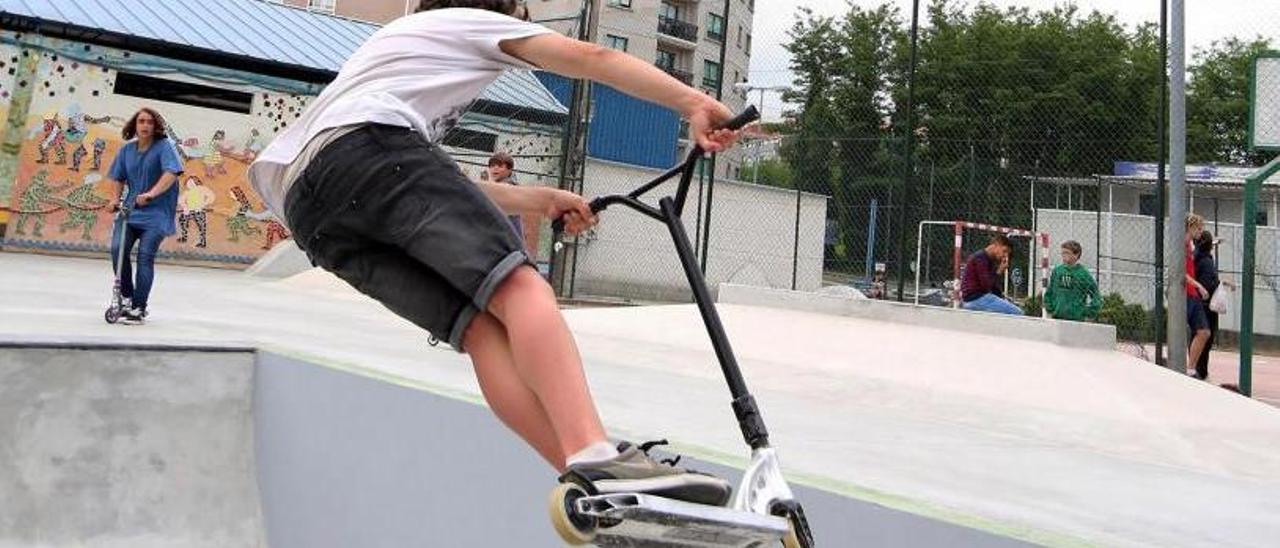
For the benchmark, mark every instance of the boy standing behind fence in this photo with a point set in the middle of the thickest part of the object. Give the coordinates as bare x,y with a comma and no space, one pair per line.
1072,293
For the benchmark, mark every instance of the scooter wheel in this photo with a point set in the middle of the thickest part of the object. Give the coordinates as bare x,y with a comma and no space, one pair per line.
112,315
574,529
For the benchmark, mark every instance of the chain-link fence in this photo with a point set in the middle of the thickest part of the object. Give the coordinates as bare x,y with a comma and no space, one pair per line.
1033,117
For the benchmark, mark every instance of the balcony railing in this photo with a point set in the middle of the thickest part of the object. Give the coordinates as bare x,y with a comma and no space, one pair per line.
681,75
677,28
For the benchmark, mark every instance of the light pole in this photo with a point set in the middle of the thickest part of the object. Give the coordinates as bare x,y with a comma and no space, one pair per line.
748,87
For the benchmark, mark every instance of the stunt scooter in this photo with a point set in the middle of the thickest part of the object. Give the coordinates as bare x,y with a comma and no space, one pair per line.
116,309
763,511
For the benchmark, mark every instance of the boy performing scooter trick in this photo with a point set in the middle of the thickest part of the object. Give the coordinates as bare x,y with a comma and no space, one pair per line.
371,197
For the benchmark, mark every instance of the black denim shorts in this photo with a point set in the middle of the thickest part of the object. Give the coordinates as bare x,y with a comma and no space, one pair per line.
393,215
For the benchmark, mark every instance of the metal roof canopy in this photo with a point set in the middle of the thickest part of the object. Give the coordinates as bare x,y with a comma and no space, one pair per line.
247,35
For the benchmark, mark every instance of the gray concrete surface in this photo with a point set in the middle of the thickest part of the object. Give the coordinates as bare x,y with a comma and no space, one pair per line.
347,460
172,446
284,260
114,448
1026,439
1064,333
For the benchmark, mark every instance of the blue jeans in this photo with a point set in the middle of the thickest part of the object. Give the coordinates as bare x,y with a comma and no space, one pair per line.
150,239
991,303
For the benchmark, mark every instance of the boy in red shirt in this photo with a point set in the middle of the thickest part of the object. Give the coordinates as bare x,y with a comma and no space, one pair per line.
1197,295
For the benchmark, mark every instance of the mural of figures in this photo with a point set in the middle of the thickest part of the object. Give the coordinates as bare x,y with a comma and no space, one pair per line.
252,146
275,232
241,224
77,129
99,146
65,110
83,204
71,135
214,163
38,201
54,141
195,202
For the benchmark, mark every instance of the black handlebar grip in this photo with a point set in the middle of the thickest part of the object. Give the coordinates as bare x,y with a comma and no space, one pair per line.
557,226
742,119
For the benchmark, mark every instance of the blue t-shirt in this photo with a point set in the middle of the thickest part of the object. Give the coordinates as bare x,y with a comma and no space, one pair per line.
141,170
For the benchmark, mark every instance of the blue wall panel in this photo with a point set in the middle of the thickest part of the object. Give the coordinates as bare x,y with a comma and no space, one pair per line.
624,129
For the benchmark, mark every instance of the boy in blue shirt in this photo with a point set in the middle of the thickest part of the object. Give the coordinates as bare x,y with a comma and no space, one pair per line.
143,174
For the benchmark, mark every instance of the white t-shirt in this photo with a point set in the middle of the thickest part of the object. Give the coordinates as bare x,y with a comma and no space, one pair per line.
420,71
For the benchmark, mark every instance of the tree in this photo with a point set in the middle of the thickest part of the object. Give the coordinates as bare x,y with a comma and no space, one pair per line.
774,172
1218,103
1001,94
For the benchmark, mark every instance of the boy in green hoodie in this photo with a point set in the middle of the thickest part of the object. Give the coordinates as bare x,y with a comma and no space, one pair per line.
1072,294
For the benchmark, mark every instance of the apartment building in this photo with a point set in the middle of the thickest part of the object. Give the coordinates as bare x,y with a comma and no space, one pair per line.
683,38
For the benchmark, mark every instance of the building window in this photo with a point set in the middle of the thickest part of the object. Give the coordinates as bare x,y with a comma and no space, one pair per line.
715,27
669,10
323,6
711,74
196,95
739,39
666,60
620,3
748,43
616,42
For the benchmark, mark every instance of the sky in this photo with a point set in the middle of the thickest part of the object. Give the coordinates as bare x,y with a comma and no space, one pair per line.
1207,20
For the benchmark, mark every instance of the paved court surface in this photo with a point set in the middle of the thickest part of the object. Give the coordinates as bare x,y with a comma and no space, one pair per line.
1026,439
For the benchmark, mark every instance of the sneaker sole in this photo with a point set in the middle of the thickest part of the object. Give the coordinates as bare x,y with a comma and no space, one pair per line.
688,488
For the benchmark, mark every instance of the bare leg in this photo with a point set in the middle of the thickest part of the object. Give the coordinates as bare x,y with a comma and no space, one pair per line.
510,399
1197,345
546,358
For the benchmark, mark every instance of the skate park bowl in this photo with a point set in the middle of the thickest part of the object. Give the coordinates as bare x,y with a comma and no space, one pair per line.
226,445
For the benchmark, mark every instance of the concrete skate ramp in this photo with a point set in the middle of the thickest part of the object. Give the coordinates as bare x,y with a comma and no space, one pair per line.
226,447
111,447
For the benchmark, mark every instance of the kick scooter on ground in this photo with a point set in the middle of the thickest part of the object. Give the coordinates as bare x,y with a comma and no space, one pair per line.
116,309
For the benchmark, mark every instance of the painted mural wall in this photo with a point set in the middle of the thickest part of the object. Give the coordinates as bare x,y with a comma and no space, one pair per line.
70,134
63,123
11,60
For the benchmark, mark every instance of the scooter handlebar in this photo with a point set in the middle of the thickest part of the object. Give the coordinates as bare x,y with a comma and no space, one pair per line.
742,119
738,122
597,205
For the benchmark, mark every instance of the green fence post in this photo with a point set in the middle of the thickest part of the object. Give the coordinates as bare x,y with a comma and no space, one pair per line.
1252,186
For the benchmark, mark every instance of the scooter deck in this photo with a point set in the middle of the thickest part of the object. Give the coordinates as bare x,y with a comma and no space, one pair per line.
638,520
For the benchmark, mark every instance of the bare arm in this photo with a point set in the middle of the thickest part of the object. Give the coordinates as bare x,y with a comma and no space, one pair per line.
577,59
166,181
117,188
548,202
1204,293
515,200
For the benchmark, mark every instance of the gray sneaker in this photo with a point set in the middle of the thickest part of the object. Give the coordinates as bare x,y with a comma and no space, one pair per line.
633,471
134,316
